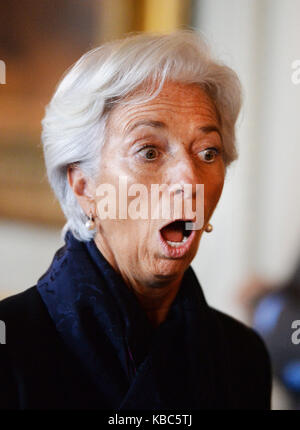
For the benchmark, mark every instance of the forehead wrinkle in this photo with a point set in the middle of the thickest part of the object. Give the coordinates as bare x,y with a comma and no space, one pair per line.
166,105
155,121
199,103
145,123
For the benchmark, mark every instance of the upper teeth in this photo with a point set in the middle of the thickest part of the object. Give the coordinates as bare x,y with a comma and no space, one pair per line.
176,244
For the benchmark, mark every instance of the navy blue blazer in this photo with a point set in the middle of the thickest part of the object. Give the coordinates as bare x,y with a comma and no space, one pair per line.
80,340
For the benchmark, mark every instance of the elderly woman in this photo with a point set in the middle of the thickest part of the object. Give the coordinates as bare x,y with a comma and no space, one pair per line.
119,320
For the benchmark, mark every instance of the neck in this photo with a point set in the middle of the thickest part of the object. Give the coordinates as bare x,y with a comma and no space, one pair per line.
154,298
156,301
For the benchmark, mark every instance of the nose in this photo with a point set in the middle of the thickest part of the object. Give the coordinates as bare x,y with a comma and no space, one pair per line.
182,171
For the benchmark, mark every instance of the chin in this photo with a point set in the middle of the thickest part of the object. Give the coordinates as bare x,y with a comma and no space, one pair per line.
168,272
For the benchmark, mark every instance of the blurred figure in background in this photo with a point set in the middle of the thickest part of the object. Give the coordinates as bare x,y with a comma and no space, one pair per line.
275,314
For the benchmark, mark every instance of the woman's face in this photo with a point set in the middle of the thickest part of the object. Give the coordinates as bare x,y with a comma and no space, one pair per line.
172,139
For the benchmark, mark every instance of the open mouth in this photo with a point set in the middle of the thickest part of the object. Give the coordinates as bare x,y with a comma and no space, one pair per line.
175,233
175,239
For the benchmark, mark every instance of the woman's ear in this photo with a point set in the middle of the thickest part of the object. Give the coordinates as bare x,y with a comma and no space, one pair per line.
82,188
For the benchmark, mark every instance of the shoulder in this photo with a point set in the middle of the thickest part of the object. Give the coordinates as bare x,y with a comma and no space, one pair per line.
32,353
241,339
26,308
238,332
27,325
26,319
16,301
17,316
247,358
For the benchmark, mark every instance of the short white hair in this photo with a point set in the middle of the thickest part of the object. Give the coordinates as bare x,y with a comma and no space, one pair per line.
75,119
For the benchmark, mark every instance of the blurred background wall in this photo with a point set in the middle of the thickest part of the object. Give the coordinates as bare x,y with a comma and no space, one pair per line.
257,222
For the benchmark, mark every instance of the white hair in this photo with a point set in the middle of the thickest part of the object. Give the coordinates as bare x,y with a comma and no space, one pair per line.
75,119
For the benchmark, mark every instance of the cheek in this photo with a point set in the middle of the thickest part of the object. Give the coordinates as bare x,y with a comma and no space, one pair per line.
119,234
213,189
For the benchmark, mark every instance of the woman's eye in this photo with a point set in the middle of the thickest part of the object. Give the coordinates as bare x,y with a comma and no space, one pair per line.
149,153
209,154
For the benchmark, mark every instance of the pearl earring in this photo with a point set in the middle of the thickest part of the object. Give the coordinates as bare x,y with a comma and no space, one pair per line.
90,224
208,228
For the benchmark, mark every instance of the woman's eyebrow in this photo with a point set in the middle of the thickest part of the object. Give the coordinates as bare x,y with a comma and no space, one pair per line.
146,123
159,124
209,129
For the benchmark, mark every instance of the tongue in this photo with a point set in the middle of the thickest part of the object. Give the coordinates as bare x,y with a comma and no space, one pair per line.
173,232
